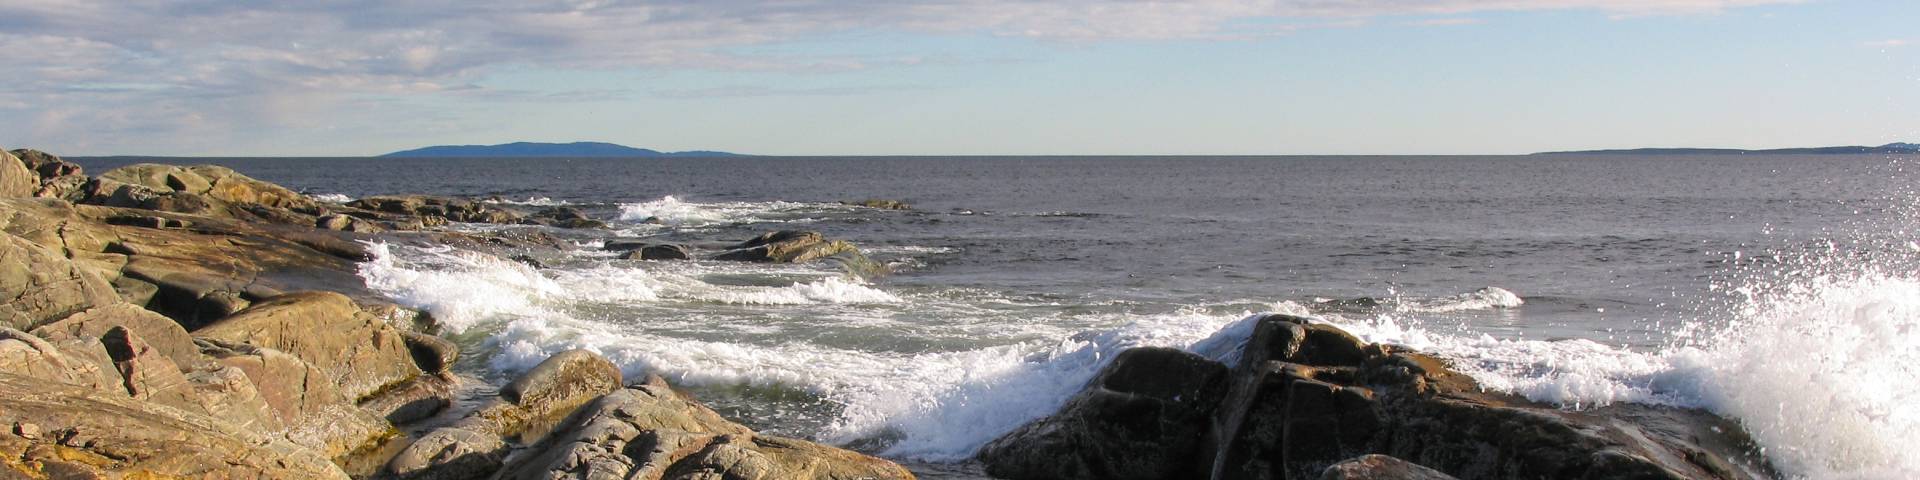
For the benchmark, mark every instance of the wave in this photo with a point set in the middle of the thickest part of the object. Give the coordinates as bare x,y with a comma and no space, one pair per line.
331,197
530,201
674,212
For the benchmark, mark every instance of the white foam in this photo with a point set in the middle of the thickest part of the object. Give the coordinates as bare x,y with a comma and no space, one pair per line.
1820,371
1486,298
530,201
331,197
672,211
459,288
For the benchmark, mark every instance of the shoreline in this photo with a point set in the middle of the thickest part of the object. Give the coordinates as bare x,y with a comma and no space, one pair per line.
151,235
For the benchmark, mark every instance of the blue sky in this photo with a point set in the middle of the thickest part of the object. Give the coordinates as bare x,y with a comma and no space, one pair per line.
965,77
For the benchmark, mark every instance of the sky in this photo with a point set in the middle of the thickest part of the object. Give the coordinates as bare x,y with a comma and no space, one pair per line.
956,77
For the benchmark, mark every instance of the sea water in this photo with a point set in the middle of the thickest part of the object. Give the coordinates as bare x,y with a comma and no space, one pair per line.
1775,290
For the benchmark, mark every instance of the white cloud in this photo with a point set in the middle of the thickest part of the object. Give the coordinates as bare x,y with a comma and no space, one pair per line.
1889,43
85,72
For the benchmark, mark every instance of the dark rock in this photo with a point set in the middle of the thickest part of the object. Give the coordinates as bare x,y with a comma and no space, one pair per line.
46,165
658,252
879,203
1305,396
1380,467
432,354
418,399
1143,417
625,244
447,208
562,217
787,246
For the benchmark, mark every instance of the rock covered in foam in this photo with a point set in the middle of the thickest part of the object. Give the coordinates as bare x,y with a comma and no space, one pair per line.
1303,396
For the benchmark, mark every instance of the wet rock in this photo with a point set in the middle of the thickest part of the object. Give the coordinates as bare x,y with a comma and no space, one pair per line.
625,245
1380,467
552,389
562,217
658,252
879,203
98,434
1143,417
361,353
448,208
418,399
1305,396
647,430
450,454
787,246
432,354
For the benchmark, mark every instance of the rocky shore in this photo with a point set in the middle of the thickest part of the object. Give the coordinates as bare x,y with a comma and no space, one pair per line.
191,322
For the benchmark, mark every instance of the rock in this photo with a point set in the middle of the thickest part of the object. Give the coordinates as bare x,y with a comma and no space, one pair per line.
213,182
658,252
451,454
32,356
302,397
1380,467
157,331
647,430
448,208
625,244
562,383
1144,416
16,180
46,165
71,188
334,222
97,434
361,353
40,285
418,399
1304,396
787,246
432,354
882,204
562,217
552,389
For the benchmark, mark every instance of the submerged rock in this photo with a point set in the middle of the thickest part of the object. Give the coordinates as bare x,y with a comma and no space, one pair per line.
562,217
658,252
1304,396
879,203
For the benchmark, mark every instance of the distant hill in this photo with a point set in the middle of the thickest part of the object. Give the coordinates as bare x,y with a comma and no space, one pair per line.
1891,148
534,149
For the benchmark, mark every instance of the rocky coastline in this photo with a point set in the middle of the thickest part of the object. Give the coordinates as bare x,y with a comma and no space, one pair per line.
191,322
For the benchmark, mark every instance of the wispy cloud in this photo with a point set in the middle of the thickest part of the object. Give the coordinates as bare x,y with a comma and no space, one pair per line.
1444,22
1888,43
82,72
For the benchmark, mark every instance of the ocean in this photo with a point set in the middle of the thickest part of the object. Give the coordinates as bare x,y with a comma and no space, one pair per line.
1779,291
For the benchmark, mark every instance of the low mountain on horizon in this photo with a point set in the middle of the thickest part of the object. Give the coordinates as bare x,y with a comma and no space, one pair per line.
538,149
1891,148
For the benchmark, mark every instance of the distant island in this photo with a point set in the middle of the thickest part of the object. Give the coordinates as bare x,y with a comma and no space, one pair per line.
1891,148
536,149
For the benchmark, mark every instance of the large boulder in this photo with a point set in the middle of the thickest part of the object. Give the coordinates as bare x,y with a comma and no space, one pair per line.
1144,416
64,431
359,352
301,398
648,430
1303,396
162,333
47,165
79,363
